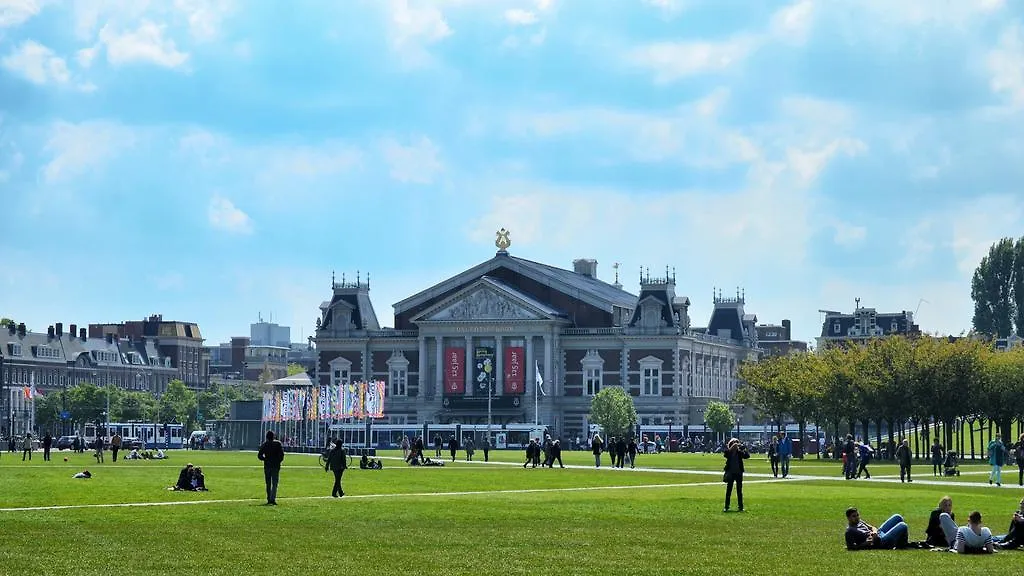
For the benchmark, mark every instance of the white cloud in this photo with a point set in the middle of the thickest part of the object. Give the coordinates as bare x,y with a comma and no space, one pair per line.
37,63
414,25
17,12
146,44
1006,65
966,228
85,56
79,149
416,163
671,61
224,215
792,23
520,17
669,7
205,17
849,235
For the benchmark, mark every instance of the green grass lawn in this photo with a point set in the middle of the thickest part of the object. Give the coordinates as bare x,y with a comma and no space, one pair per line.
471,518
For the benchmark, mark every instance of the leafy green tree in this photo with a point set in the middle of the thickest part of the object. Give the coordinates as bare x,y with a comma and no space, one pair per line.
996,306
719,417
294,369
86,402
766,388
5,322
178,404
48,413
613,409
135,406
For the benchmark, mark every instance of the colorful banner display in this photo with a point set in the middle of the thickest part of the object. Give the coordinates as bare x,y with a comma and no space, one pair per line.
454,370
515,372
483,369
355,400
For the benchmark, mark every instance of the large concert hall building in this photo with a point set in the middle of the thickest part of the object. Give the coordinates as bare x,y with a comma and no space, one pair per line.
504,319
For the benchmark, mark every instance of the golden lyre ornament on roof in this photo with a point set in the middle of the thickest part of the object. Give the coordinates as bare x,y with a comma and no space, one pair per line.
502,241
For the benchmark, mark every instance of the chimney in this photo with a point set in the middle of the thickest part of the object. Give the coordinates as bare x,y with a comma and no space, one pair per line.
60,329
110,338
82,335
12,328
788,329
72,330
22,329
585,267
49,332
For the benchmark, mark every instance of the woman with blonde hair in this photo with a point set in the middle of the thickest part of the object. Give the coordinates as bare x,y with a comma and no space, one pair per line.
941,531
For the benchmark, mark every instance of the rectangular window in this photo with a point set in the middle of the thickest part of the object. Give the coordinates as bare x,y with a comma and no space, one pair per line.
398,382
835,328
651,382
15,349
339,377
592,380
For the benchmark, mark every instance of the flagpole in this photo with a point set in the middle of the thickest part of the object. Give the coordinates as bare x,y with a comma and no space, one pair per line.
536,393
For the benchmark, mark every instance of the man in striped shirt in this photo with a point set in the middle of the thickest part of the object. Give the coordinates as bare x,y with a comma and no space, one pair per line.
973,538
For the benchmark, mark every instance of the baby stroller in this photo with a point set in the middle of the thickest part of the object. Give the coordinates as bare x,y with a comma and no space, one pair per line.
951,465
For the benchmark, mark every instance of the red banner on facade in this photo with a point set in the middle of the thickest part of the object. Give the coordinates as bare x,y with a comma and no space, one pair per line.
515,370
454,370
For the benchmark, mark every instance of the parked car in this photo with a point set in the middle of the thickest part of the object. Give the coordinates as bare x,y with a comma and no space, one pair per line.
66,442
130,443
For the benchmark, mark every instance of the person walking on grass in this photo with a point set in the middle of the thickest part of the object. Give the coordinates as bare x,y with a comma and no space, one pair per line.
903,456
597,446
272,455
115,446
26,448
735,454
773,455
938,454
997,458
1018,452
785,452
337,462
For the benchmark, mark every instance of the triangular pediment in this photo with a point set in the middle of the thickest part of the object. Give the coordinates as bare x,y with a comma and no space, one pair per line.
483,300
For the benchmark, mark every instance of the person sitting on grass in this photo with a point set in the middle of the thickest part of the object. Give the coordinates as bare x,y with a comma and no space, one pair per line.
941,531
364,462
159,455
1014,539
862,536
184,479
198,481
974,538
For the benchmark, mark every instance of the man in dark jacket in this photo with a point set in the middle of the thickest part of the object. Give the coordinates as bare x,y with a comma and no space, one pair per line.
337,462
453,446
556,454
903,456
47,444
735,454
272,455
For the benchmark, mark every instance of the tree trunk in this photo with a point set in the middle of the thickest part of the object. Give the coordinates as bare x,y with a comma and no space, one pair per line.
917,437
970,434
890,425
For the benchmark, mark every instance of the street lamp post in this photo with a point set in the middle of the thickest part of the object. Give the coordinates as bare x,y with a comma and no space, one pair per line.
490,396
669,439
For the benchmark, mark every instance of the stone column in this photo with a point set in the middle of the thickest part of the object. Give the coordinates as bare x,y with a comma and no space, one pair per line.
439,369
499,366
470,363
530,386
549,380
421,374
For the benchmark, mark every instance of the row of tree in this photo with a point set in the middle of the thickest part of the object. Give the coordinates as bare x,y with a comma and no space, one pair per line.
895,384
997,289
87,403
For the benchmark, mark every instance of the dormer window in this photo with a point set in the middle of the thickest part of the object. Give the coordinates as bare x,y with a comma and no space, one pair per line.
15,348
836,327
106,356
895,327
47,353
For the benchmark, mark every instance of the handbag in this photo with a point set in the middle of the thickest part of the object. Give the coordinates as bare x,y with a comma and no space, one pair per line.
726,477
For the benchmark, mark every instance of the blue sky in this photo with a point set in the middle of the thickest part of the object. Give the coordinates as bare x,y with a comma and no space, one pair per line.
213,159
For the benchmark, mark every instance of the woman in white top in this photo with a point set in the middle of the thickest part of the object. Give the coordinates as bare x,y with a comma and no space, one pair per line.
973,538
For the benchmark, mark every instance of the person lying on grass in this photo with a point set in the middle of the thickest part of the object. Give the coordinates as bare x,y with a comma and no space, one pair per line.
974,538
83,474
863,536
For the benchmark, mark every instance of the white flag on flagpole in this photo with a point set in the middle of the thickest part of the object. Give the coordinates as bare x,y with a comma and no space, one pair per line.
540,379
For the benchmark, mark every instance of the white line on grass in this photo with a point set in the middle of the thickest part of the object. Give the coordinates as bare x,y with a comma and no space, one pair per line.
376,496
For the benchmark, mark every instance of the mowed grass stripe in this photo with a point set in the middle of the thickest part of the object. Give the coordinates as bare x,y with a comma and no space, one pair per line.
372,496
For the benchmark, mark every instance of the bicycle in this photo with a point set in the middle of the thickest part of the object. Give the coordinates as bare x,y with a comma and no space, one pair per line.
327,453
